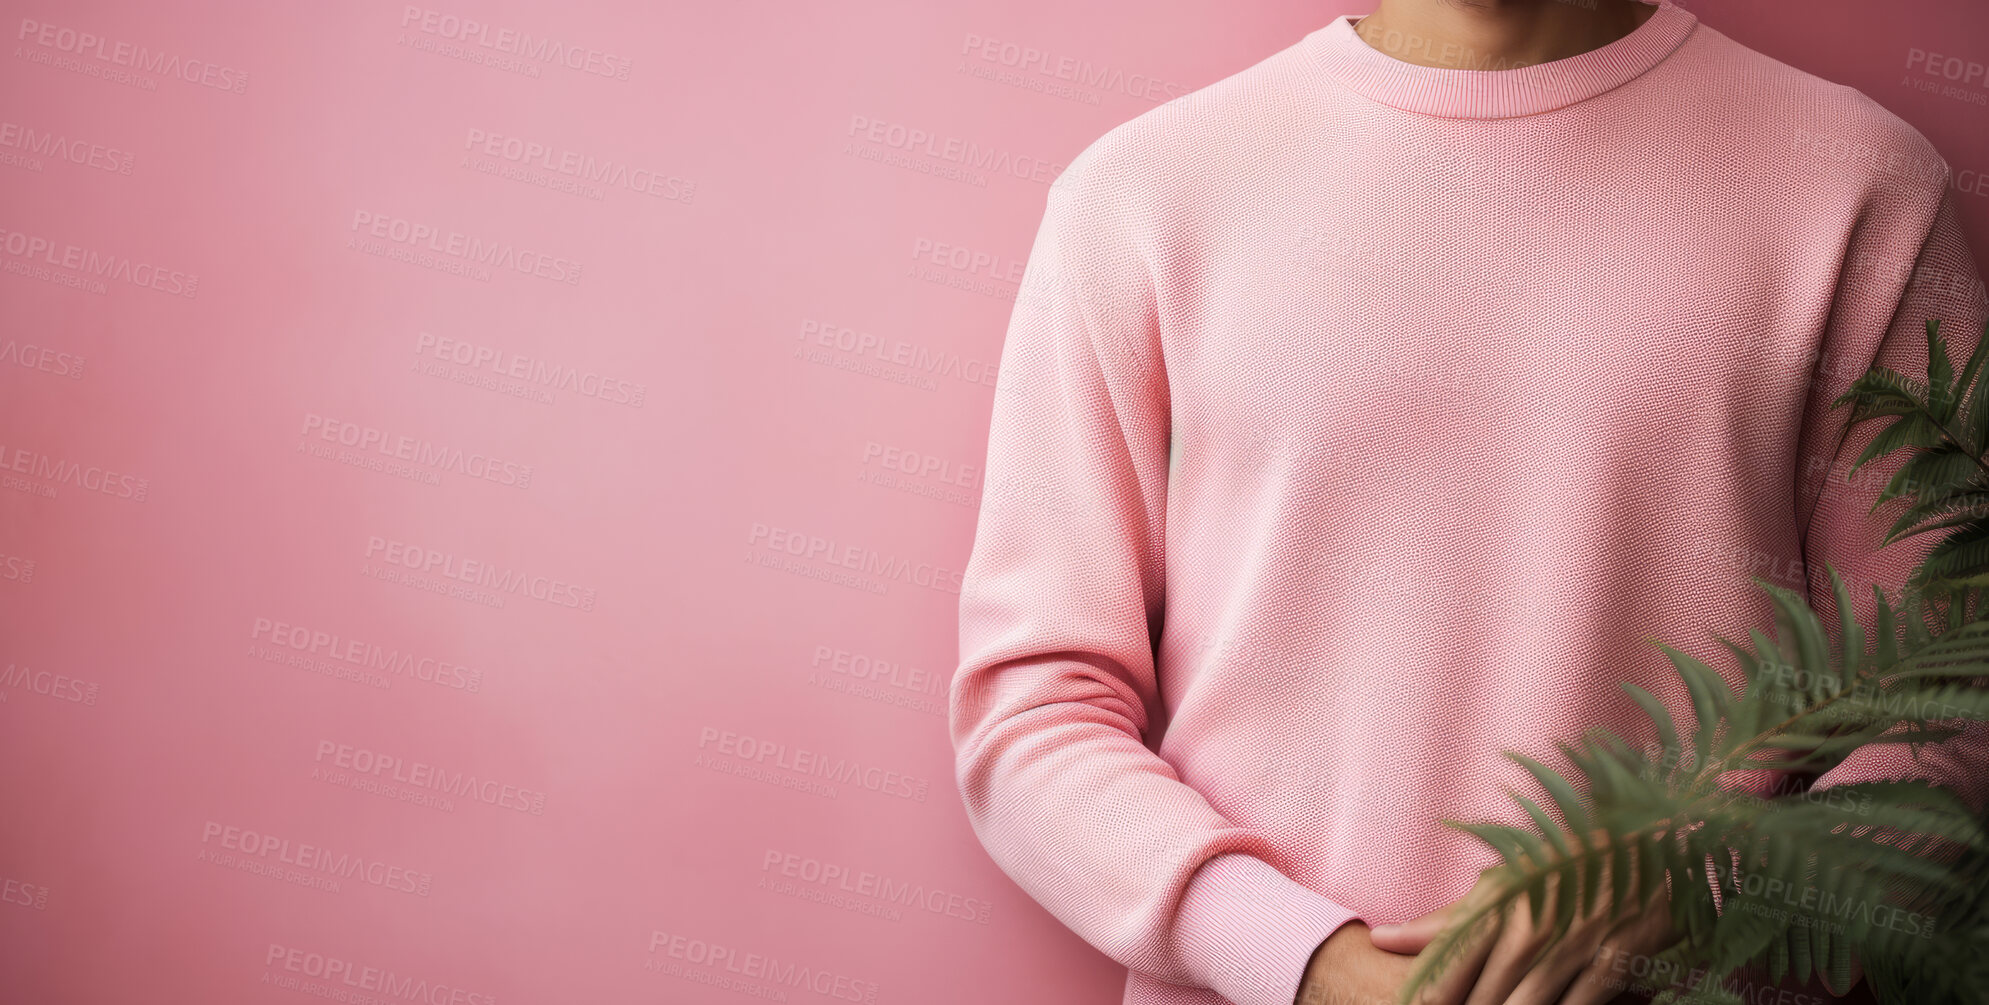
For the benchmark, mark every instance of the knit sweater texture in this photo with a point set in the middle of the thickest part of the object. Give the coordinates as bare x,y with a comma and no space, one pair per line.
1358,420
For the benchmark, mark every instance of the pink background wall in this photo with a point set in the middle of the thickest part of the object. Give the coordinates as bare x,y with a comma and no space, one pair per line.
574,627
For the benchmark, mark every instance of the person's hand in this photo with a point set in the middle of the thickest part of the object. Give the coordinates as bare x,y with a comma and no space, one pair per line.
1347,969
1584,969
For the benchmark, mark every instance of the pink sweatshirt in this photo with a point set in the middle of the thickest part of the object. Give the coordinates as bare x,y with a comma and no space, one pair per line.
1358,420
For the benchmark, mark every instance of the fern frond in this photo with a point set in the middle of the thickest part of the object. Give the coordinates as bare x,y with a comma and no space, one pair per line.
1806,882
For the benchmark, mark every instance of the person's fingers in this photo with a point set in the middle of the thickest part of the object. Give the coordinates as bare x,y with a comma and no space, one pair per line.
1545,983
1461,974
1409,937
1607,974
1519,939
1619,953
1412,937
1564,976
1593,986
1491,965
1598,983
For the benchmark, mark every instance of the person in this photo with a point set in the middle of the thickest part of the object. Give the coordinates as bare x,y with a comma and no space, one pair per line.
1361,413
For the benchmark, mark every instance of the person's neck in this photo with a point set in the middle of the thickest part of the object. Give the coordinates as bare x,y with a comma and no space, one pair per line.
1496,34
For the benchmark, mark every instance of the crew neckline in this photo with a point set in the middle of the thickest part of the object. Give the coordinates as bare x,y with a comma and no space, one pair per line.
1453,92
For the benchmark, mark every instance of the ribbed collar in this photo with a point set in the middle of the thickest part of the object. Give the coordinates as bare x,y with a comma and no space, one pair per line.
1495,94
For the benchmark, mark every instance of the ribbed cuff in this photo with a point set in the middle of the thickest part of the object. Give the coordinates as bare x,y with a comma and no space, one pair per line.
1247,930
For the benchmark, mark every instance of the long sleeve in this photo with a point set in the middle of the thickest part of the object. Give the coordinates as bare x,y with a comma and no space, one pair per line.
1055,694
1907,263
